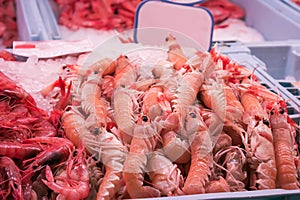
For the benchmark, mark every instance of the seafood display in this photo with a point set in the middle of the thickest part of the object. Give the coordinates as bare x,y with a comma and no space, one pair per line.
223,9
8,23
97,14
124,127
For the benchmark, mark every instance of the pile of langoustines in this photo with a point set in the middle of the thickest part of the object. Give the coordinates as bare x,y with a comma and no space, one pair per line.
198,125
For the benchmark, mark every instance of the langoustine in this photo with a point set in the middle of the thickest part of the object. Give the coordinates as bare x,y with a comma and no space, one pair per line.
283,145
261,150
201,154
145,138
103,140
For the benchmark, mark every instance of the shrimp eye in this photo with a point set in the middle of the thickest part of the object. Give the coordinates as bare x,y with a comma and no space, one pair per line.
281,110
96,131
272,112
193,115
75,153
64,67
68,108
126,57
145,118
266,122
167,39
123,86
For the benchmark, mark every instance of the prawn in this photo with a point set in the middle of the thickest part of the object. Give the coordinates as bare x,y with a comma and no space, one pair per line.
12,177
124,105
283,145
164,175
175,53
155,103
201,154
74,184
143,142
125,74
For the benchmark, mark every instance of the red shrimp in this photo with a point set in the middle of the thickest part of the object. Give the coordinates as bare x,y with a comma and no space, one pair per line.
10,180
6,55
56,151
74,184
10,88
19,150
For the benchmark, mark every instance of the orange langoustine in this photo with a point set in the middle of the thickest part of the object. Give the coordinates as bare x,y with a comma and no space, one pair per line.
149,136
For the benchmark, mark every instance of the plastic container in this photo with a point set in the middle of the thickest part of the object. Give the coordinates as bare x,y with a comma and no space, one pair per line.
276,194
36,20
276,20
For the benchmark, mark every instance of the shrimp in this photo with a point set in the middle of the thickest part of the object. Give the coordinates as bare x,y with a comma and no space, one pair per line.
124,105
175,148
125,74
201,154
164,175
103,145
74,184
253,109
186,93
111,152
234,163
103,67
58,150
175,53
263,156
107,87
143,142
74,125
226,106
163,70
283,145
92,104
19,150
155,103
10,180
261,152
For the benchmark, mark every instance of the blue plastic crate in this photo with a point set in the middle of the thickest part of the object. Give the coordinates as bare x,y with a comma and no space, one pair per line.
36,20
